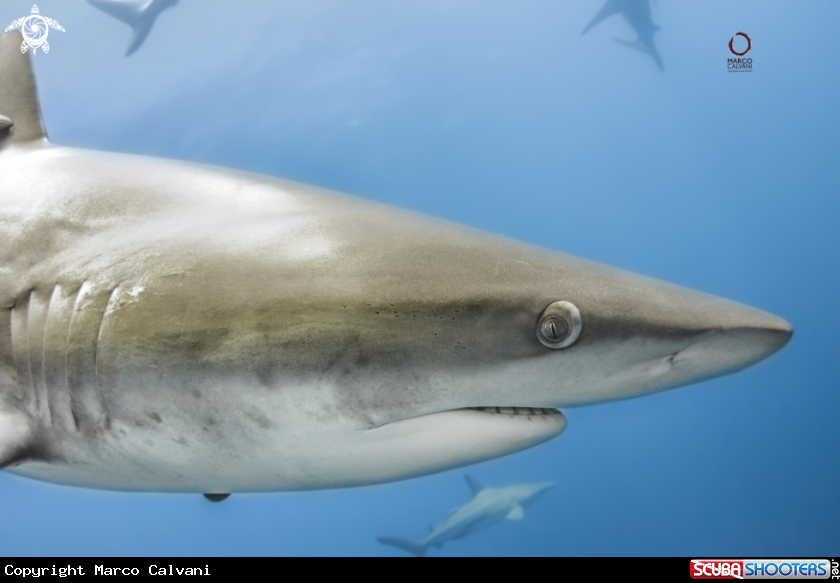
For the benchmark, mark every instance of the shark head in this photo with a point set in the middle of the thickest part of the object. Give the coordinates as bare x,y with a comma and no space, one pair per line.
171,326
530,493
225,312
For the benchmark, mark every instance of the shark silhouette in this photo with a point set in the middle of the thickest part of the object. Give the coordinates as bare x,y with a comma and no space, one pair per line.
637,14
488,506
140,16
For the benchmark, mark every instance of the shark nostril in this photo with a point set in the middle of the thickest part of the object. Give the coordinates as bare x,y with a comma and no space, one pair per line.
559,325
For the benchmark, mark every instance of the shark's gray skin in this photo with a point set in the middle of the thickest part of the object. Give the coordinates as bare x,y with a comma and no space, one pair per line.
488,506
140,16
637,14
176,327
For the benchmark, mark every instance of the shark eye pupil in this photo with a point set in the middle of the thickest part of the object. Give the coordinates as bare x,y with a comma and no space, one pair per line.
554,328
559,325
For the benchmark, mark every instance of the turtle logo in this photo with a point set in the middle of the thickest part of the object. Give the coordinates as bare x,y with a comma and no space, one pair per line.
35,29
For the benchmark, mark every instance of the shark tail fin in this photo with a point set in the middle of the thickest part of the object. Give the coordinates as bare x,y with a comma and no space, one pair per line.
141,31
476,486
19,102
631,44
642,48
129,12
132,13
412,545
606,11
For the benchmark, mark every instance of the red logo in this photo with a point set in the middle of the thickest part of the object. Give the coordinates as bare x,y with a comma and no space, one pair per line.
732,40
716,569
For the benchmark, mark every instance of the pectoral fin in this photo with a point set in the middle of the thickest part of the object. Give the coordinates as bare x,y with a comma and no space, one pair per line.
516,514
17,441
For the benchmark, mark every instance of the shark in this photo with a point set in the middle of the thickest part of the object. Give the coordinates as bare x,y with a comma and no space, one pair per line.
140,16
638,16
488,506
174,327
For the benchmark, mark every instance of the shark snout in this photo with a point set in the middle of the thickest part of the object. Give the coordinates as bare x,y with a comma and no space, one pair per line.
641,336
537,491
730,338
746,340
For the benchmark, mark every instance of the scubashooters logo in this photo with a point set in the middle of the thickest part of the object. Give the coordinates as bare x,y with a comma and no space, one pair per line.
739,64
35,29
791,569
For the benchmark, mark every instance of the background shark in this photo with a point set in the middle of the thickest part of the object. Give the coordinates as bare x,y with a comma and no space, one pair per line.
637,14
488,506
140,16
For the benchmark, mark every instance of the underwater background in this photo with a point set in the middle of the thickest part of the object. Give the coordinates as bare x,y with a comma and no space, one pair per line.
499,115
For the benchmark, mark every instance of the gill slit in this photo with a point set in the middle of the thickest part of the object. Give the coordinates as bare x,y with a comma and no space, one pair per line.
14,316
29,351
46,390
79,295
96,351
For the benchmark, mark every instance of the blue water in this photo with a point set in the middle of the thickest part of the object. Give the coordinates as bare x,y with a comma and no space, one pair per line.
499,115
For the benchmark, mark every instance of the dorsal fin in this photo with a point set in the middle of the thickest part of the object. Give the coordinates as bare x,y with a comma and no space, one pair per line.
18,93
475,485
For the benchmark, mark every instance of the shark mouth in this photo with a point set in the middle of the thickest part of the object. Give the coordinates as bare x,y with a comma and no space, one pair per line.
523,411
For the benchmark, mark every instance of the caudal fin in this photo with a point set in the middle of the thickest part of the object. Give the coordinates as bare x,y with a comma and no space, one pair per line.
18,93
412,545
140,16
129,12
649,50
606,11
141,31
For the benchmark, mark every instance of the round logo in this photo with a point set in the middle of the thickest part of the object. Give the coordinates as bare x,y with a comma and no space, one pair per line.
732,41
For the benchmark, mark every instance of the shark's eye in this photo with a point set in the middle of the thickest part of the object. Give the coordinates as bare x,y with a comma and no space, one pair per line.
559,325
